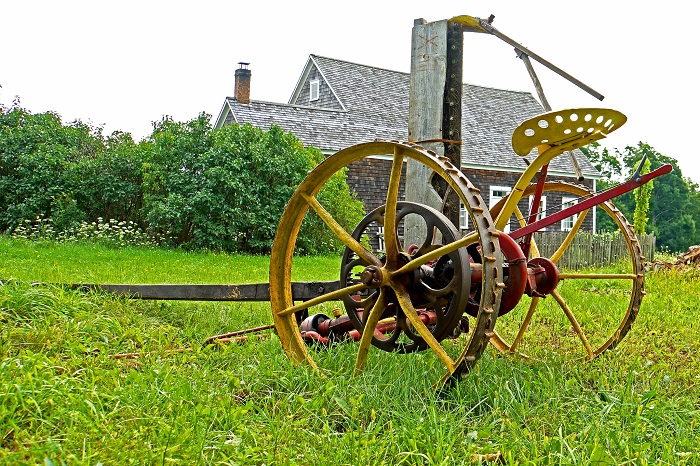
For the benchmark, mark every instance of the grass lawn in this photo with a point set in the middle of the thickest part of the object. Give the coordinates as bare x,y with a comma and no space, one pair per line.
64,399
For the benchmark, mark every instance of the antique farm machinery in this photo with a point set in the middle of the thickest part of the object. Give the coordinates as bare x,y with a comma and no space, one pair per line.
441,290
428,285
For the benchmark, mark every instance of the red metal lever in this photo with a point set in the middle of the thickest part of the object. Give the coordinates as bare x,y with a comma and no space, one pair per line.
591,201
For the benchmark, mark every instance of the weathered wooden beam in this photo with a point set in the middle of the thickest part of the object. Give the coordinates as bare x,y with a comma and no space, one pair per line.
301,291
425,115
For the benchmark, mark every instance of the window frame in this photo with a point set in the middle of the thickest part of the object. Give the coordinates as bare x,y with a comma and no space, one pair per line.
463,216
507,190
314,84
541,211
567,224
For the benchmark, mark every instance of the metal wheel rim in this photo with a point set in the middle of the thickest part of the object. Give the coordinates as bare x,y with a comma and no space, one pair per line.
635,277
290,222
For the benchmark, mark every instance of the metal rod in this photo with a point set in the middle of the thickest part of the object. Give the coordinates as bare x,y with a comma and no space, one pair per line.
535,80
590,202
301,291
540,92
492,30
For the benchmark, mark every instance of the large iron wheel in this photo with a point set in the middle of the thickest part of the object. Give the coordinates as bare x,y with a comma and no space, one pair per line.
389,277
589,311
437,288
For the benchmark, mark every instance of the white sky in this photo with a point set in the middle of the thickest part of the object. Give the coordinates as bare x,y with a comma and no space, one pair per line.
126,64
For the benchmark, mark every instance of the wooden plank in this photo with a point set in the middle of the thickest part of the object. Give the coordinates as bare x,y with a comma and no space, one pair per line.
301,291
425,115
591,250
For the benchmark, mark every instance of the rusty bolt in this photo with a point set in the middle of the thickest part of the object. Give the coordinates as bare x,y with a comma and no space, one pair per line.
371,276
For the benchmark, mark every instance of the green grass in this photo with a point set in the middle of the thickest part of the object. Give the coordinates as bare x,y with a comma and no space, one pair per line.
63,398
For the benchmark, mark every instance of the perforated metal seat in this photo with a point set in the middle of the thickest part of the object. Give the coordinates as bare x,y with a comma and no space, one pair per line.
565,129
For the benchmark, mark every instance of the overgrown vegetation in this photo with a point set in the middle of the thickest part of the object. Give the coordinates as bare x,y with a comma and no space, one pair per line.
63,399
187,185
670,210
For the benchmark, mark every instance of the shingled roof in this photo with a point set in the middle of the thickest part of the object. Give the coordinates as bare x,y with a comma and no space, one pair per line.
369,102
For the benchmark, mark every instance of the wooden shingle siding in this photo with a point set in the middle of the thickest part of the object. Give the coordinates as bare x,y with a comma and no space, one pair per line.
484,179
369,178
326,99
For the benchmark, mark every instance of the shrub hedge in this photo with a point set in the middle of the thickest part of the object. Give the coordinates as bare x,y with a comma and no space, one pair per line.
187,185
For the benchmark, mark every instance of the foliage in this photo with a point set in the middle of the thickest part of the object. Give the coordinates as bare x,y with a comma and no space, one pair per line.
641,201
187,185
674,203
226,189
110,233
68,173
609,165
172,178
108,184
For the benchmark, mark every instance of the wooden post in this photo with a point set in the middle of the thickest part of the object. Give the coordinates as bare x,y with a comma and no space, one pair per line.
434,114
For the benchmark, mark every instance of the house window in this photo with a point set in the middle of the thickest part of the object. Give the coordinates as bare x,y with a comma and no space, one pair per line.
380,239
498,193
463,217
568,223
541,211
313,90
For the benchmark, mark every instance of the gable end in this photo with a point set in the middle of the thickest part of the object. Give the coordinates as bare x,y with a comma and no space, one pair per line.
326,97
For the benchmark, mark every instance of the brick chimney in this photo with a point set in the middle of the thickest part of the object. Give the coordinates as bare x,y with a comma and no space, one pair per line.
242,91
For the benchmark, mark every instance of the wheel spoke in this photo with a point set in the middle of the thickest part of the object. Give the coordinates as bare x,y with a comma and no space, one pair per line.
524,325
610,321
368,331
423,331
332,296
391,240
437,253
569,238
366,303
438,292
348,268
340,232
574,323
431,233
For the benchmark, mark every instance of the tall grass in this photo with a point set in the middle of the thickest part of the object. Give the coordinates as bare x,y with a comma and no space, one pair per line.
64,399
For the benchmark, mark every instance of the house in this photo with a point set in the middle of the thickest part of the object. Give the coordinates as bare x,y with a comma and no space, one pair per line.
336,104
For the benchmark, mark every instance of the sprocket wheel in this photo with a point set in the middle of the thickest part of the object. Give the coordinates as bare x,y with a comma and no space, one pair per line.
439,288
589,312
391,275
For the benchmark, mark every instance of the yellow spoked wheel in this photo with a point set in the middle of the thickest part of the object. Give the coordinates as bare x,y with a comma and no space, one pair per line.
396,283
590,311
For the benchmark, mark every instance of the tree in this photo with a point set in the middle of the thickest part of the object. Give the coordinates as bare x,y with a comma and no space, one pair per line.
611,169
674,202
187,184
36,153
641,201
609,165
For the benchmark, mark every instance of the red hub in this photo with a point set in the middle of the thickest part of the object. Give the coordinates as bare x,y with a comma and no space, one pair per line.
542,277
515,275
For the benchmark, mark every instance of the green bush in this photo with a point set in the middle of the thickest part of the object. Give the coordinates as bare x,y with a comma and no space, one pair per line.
187,185
66,173
108,184
34,153
226,189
